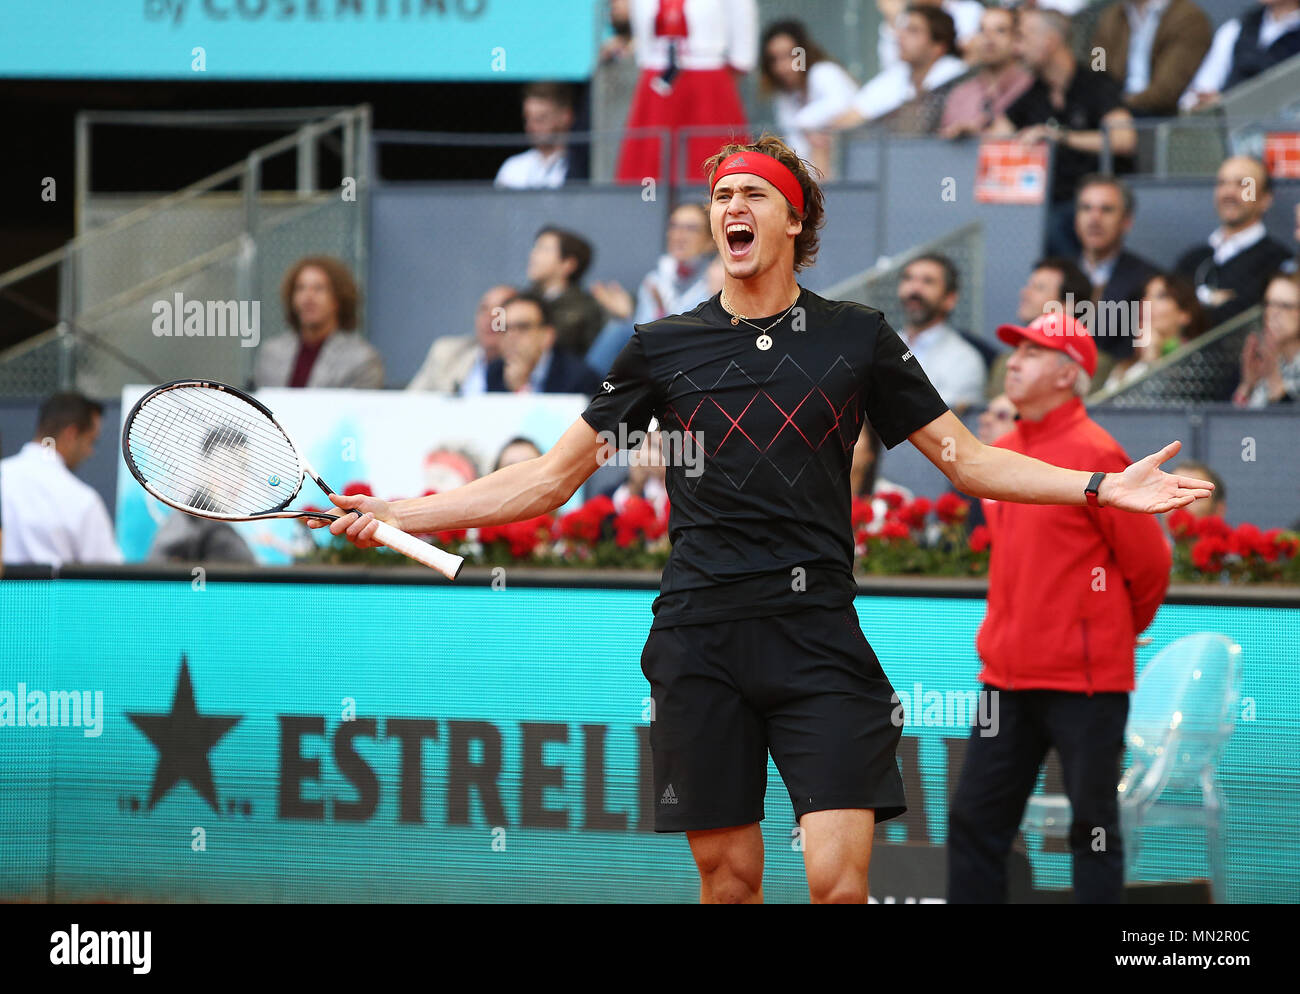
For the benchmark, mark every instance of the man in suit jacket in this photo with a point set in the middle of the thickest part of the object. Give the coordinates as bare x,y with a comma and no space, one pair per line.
1232,267
320,304
1103,216
531,362
1152,49
457,364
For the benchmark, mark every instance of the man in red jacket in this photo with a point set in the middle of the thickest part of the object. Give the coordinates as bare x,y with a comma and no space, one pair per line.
1070,589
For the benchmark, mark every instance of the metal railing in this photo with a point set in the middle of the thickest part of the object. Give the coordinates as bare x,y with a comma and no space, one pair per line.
205,241
1205,369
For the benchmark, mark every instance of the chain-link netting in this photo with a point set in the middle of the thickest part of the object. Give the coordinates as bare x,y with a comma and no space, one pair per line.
126,253
188,327
1205,370
31,368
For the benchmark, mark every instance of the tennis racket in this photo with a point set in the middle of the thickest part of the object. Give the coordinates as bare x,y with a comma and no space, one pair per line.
213,451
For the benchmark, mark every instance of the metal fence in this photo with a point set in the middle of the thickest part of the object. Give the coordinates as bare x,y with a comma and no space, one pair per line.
224,238
1204,370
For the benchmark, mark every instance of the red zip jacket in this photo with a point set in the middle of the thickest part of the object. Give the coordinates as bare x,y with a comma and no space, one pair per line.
1070,588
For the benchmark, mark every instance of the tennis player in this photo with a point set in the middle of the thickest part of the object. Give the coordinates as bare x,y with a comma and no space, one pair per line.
755,645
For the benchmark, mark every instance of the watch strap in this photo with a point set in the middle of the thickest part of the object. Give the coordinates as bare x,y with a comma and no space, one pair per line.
1090,491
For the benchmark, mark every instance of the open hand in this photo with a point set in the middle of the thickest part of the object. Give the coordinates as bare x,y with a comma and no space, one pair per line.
1143,487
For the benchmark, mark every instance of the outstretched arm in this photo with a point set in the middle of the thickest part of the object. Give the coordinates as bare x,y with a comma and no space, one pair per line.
986,471
513,493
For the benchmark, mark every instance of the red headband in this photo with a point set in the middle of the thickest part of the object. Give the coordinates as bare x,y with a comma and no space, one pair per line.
768,168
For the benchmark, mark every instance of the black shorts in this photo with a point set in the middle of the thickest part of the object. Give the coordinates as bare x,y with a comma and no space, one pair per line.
806,686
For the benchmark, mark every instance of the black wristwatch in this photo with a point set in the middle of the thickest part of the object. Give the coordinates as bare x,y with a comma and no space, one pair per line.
1090,491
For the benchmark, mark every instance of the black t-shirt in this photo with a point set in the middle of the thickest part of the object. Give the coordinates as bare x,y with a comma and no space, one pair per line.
1089,97
760,443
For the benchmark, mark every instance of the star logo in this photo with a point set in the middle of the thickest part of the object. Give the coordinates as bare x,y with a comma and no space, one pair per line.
183,739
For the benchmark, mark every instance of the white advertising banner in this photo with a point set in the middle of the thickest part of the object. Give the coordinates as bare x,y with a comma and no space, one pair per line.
399,444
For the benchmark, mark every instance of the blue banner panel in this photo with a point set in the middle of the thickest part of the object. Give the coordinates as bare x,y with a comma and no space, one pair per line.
237,741
487,40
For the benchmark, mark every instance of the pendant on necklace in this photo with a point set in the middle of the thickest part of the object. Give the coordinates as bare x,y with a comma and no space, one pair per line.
764,342
735,321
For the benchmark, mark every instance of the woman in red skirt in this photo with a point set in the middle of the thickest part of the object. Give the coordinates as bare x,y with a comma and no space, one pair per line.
690,52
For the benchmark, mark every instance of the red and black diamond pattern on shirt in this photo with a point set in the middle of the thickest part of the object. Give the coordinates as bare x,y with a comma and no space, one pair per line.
743,419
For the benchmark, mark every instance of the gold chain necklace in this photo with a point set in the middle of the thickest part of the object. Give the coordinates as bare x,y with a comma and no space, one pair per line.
764,340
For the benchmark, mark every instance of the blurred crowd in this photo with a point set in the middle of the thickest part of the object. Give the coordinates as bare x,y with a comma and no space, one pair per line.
956,69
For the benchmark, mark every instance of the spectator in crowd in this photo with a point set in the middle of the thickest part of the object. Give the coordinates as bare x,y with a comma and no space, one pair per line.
927,293
51,517
996,419
1243,48
690,53
1270,361
926,41
183,538
965,16
1053,283
447,468
676,284
646,474
518,449
1151,49
1056,645
617,44
975,104
1217,504
1103,216
1169,316
1068,106
321,305
531,360
548,119
457,364
556,265
809,89
1231,268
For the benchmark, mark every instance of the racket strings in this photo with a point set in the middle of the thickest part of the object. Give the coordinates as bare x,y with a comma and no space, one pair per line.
213,452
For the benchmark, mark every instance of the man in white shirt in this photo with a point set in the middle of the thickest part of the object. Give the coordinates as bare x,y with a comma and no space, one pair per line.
1272,33
928,294
50,516
1230,269
965,16
548,117
926,40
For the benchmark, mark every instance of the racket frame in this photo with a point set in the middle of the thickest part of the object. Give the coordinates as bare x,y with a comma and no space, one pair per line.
447,564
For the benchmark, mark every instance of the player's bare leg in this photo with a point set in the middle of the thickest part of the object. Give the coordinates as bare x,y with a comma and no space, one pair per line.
837,853
730,861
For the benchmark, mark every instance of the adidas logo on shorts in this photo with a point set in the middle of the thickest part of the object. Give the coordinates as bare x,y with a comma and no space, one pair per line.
669,797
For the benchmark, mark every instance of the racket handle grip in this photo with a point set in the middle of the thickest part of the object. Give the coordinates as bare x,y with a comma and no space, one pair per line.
422,552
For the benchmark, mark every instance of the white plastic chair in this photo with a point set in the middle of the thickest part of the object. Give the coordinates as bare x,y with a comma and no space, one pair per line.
1180,719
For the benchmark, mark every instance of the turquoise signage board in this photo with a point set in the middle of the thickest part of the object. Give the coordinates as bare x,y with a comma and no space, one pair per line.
449,40
203,740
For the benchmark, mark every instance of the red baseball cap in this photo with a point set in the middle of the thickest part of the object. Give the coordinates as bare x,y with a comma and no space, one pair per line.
1056,331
